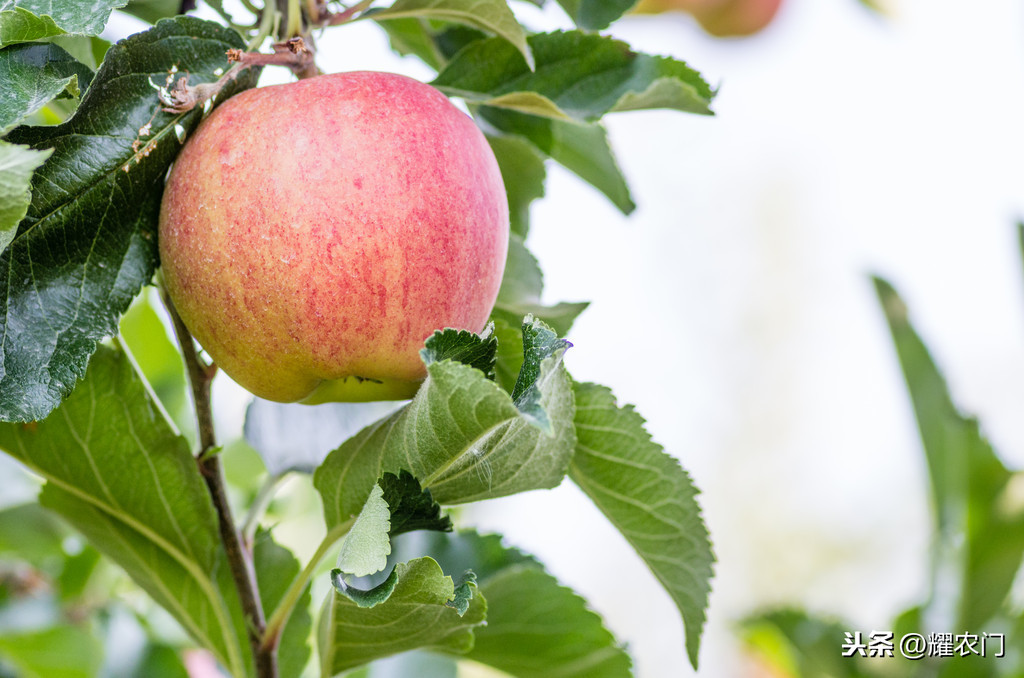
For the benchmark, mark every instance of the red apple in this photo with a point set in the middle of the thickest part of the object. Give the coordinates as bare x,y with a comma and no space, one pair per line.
721,18
313,235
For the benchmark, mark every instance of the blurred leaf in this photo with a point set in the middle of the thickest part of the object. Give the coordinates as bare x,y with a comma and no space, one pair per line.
462,436
32,75
468,348
152,11
595,15
276,567
64,651
88,242
117,472
417,613
17,163
31,532
522,168
87,49
579,75
536,628
648,496
493,16
295,437
28,20
795,644
160,661
415,663
979,505
77,573
520,292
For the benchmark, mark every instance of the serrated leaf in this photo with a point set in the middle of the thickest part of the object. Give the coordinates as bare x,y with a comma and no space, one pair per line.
648,496
521,287
17,163
276,567
578,75
468,348
595,15
522,169
536,628
366,546
118,473
32,75
540,344
411,507
979,522
582,149
493,16
509,359
462,436
28,20
88,242
78,654
417,613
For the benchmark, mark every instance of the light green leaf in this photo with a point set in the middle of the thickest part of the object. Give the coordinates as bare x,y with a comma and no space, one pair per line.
17,163
275,568
118,473
509,359
595,15
462,436
32,75
65,651
493,16
417,613
521,287
577,75
647,495
536,628
522,169
28,20
30,532
366,547
153,10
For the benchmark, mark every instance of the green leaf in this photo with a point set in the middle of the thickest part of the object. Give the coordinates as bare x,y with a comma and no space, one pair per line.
17,163
65,651
418,663
522,168
493,16
536,628
462,436
793,643
521,287
595,15
979,519
509,359
647,495
366,547
152,11
30,532
434,42
540,344
579,75
28,20
118,473
418,612
412,508
582,149
33,74
88,242
276,568
468,348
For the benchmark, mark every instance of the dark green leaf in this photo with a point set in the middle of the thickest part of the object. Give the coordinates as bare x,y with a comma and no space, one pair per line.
536,628
276,567
540,344
579,75
462,436
32,74
65,651
434,42
153,10
87,49
28,20
412,507
595,15
510,353
88,243
521,287
160,661
117,472
365,598
493,16
647,495
475,350
416,613
522,169
980,525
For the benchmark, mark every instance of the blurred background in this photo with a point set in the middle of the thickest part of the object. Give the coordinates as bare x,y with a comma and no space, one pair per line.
734,307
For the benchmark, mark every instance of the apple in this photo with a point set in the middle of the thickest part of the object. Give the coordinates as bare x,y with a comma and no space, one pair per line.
314,234
721,18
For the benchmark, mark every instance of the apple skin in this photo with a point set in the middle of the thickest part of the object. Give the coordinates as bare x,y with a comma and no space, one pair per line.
720,18
314,234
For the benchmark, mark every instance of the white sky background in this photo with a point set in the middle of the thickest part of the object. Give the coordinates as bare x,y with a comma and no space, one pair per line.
734,307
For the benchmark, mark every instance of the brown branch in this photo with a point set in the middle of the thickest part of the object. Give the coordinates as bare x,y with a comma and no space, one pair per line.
239,559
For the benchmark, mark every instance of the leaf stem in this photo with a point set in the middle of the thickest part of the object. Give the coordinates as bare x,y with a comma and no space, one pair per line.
258,506
239,559
291,597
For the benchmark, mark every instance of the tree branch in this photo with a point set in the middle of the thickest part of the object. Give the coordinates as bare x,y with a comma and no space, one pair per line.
239,559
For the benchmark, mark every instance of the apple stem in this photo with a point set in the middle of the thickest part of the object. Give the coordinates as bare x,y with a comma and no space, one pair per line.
239,558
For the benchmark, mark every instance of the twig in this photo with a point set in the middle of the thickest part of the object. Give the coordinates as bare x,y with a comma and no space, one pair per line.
239,560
